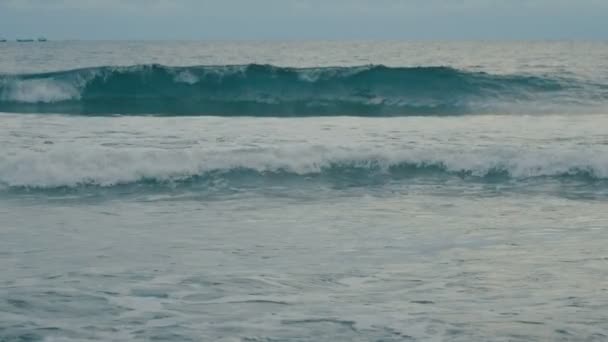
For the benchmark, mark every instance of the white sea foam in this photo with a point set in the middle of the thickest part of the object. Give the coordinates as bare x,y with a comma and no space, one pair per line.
315,74
72,166
186,77
42,90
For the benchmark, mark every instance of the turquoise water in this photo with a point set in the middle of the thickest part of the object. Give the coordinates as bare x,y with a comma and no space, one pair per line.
266,90
313,191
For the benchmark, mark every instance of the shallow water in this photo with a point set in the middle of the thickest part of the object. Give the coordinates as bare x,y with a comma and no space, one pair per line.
410,228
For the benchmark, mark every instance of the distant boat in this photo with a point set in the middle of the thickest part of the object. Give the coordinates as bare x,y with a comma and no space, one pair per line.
25,40
42,39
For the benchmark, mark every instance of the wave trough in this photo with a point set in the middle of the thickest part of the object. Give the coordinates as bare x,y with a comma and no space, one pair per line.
265,90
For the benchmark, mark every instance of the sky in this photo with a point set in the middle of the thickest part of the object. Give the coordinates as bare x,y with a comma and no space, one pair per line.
305,19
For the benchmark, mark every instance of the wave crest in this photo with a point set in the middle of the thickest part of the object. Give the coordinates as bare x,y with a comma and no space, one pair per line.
110,167
265,90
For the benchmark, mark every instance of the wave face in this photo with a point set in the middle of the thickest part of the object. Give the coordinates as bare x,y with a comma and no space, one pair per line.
264,90
105,167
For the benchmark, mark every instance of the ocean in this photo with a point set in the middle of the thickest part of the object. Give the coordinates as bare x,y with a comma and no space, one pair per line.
304,191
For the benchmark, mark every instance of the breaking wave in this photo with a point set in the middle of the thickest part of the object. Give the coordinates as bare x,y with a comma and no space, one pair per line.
265,90
106,167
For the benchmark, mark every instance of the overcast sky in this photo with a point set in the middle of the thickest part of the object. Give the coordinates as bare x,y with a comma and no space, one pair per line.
305,19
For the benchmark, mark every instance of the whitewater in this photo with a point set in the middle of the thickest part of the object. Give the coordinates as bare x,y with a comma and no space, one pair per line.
310,191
